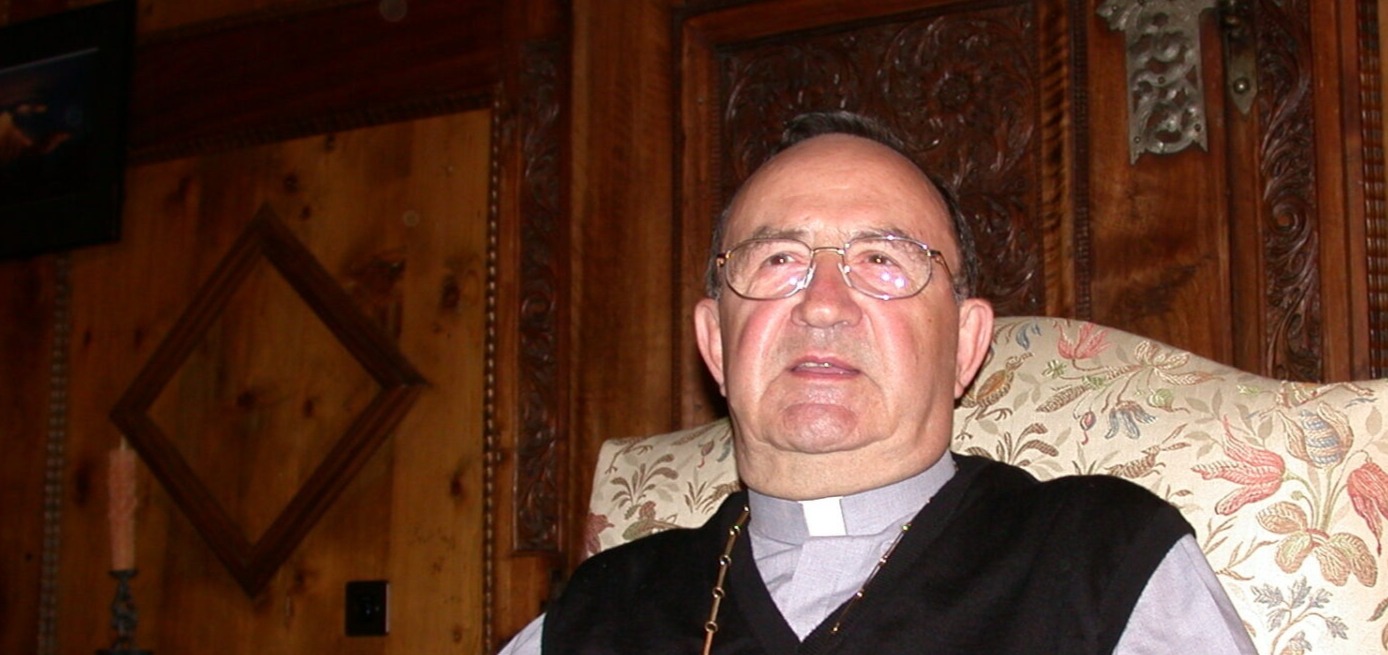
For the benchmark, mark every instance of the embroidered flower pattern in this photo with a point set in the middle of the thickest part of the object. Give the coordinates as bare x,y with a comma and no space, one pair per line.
1125,417
1368,492
1014,450
1089,341
1339,554
593,527
1320,438
1258,471
1300,605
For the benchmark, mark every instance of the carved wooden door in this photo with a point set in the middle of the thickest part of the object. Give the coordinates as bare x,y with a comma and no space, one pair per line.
1110,173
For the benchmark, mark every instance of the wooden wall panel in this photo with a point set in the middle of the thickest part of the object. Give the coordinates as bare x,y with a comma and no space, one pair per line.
1158,227
283,70
162,15
398,214
28,292
437,499
1352,187
157,15
626,307
443,57
249,79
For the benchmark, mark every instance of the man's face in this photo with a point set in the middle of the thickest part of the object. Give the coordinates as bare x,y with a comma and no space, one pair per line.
832,391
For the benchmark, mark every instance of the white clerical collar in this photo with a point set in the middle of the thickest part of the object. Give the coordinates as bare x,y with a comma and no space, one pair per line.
824,517
865,513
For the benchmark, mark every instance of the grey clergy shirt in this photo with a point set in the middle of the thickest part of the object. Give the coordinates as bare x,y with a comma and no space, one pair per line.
814,555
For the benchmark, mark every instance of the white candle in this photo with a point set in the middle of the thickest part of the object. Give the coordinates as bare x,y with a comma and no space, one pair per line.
121,512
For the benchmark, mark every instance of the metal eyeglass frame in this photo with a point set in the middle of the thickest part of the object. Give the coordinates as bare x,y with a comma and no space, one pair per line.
842,251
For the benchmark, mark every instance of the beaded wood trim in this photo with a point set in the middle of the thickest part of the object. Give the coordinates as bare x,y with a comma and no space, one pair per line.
490,433
55,460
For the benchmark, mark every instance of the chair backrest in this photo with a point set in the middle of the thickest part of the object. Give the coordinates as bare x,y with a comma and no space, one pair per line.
1281,480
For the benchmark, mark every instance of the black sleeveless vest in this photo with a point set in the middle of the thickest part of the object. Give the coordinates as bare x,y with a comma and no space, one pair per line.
996,563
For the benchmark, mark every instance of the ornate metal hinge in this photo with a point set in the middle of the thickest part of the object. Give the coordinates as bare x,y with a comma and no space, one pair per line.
1166,96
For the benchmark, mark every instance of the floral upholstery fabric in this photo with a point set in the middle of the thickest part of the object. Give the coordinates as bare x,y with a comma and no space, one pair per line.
1282,481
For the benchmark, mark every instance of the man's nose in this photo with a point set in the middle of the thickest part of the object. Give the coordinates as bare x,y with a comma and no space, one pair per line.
827,300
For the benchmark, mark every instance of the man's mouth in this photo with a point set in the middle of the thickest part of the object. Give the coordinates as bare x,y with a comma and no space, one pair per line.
823,367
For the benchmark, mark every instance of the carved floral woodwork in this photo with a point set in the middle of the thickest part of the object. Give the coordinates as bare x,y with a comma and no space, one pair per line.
528,290
1287,162
963,89
537,478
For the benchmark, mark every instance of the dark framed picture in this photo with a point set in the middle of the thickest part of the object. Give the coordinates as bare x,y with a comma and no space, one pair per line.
64,91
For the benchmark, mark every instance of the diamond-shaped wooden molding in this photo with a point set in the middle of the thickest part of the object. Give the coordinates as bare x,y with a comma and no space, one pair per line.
252,565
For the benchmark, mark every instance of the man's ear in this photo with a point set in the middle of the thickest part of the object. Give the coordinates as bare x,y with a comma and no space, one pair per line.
710,337
975,338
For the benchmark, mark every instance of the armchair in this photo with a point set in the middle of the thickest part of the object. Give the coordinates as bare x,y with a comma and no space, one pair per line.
1281,480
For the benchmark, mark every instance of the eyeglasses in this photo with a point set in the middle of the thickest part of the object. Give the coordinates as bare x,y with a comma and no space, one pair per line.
883,267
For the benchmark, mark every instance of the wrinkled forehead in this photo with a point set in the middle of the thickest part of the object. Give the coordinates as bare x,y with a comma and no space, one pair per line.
833,188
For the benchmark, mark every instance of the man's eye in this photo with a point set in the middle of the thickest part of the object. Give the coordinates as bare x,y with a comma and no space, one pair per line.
779,259
878,259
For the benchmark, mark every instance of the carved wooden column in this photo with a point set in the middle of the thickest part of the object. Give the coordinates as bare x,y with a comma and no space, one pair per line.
526,421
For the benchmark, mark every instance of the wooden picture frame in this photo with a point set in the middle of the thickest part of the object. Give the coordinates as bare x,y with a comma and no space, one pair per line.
64,89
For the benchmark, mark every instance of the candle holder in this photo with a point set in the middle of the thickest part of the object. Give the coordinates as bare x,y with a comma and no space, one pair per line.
124,617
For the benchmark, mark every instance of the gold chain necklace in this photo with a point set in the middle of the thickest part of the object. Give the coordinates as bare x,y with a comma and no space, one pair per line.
726,559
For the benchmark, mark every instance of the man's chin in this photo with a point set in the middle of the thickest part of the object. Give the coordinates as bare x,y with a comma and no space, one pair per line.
819,428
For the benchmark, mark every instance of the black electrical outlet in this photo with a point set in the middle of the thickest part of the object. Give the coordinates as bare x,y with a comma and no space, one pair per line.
368,608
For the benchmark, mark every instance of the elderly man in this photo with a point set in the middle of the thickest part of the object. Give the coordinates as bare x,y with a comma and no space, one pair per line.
858,531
